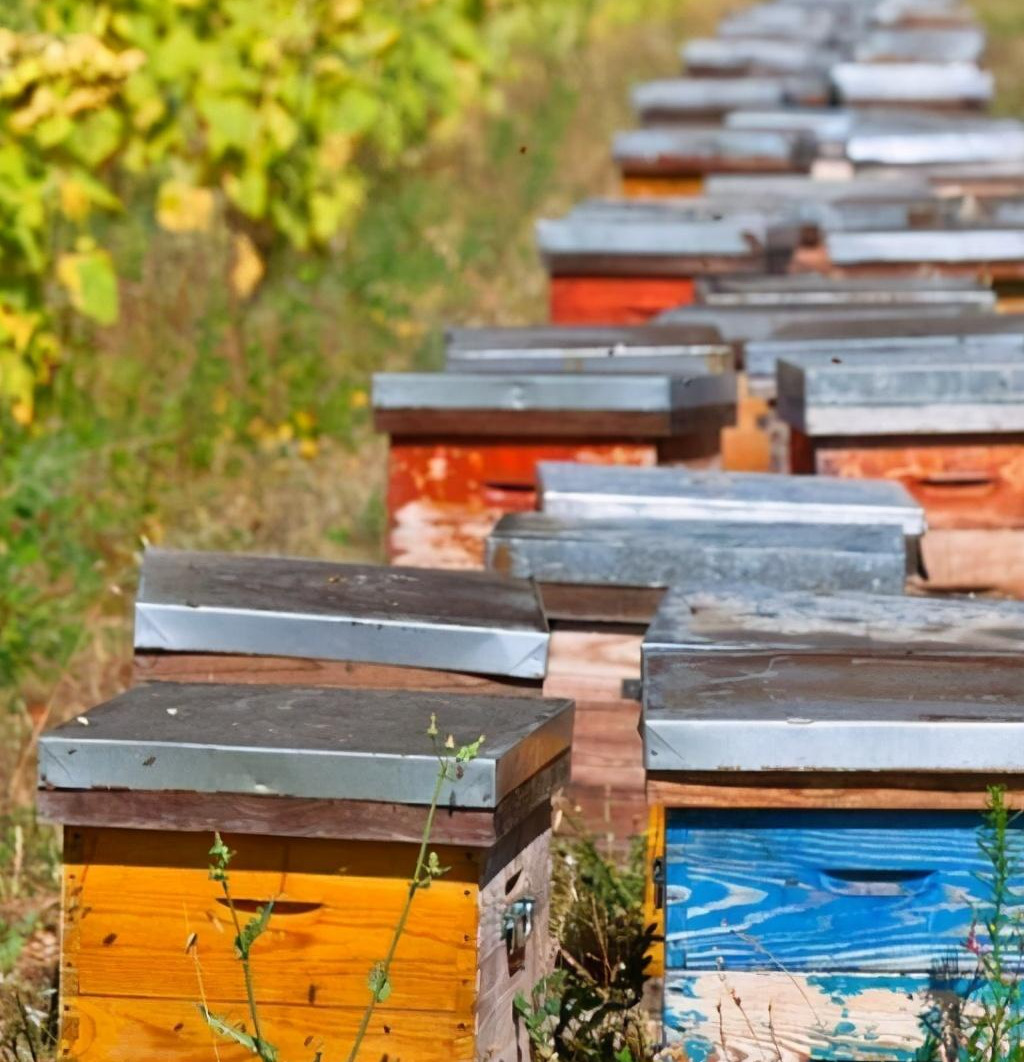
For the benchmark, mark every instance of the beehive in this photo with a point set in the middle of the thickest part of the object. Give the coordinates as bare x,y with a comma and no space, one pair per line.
324,794
668,161
221,617
623,264
821,761
464,447
603,579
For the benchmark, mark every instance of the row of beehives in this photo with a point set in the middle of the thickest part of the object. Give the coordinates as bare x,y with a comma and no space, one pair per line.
792,697
806,743
847,257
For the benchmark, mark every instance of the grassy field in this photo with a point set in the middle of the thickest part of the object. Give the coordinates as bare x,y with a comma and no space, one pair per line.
197,422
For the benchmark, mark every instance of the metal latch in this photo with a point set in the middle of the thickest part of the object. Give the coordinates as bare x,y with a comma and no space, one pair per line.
658,880
516,926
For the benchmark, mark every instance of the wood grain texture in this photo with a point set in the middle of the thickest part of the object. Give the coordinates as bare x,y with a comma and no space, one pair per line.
817,891
616,300
133,898
117,1029
500,1037
445,495
292,671
607,786
597,424
811,790
783,1017
959,486
975,561
600,604
277,816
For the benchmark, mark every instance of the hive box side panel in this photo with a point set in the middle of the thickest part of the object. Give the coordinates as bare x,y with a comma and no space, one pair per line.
795,1017
500,1036
294,671
445,498
147,935
616,300
959,486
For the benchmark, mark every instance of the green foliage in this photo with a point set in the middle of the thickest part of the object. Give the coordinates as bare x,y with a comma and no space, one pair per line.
589,1009
271,118
987,1024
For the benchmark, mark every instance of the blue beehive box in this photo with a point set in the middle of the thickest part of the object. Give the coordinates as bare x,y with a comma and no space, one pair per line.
821,761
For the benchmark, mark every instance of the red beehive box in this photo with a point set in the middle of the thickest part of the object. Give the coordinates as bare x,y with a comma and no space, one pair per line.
464,447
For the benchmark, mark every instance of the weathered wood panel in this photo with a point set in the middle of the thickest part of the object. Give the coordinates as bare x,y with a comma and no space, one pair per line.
879,791
785,1017
499,1035
959,486
292,671
133,899
749,446
819,890
975,561
116,1029
616,300
444,498
607,785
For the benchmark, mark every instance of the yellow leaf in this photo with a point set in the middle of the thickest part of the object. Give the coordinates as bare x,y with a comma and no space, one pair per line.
182,207
347,10
18,328
308,449
247,268
22,412
304,420
358,399
74,199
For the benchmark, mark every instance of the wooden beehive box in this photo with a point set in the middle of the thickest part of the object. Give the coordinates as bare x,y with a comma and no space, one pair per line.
846,339
993,254
951,44
670,159
669,350
464,446
821,762
967,156
223,617
753,56
948,427
676,494
602,580
323,794
624,263
952,86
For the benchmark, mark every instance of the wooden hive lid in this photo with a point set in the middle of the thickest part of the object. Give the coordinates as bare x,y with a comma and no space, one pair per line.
576,490
546,404
900,391
746,681
293,743
581,551
195,602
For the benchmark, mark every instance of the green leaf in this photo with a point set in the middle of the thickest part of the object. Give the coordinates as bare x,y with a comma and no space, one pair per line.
222,1027
253,930
231,121
96,137
248,190
220,856
89,278
378,983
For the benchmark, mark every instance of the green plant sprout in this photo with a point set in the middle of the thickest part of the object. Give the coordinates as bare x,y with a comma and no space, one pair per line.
451,761
986,1024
